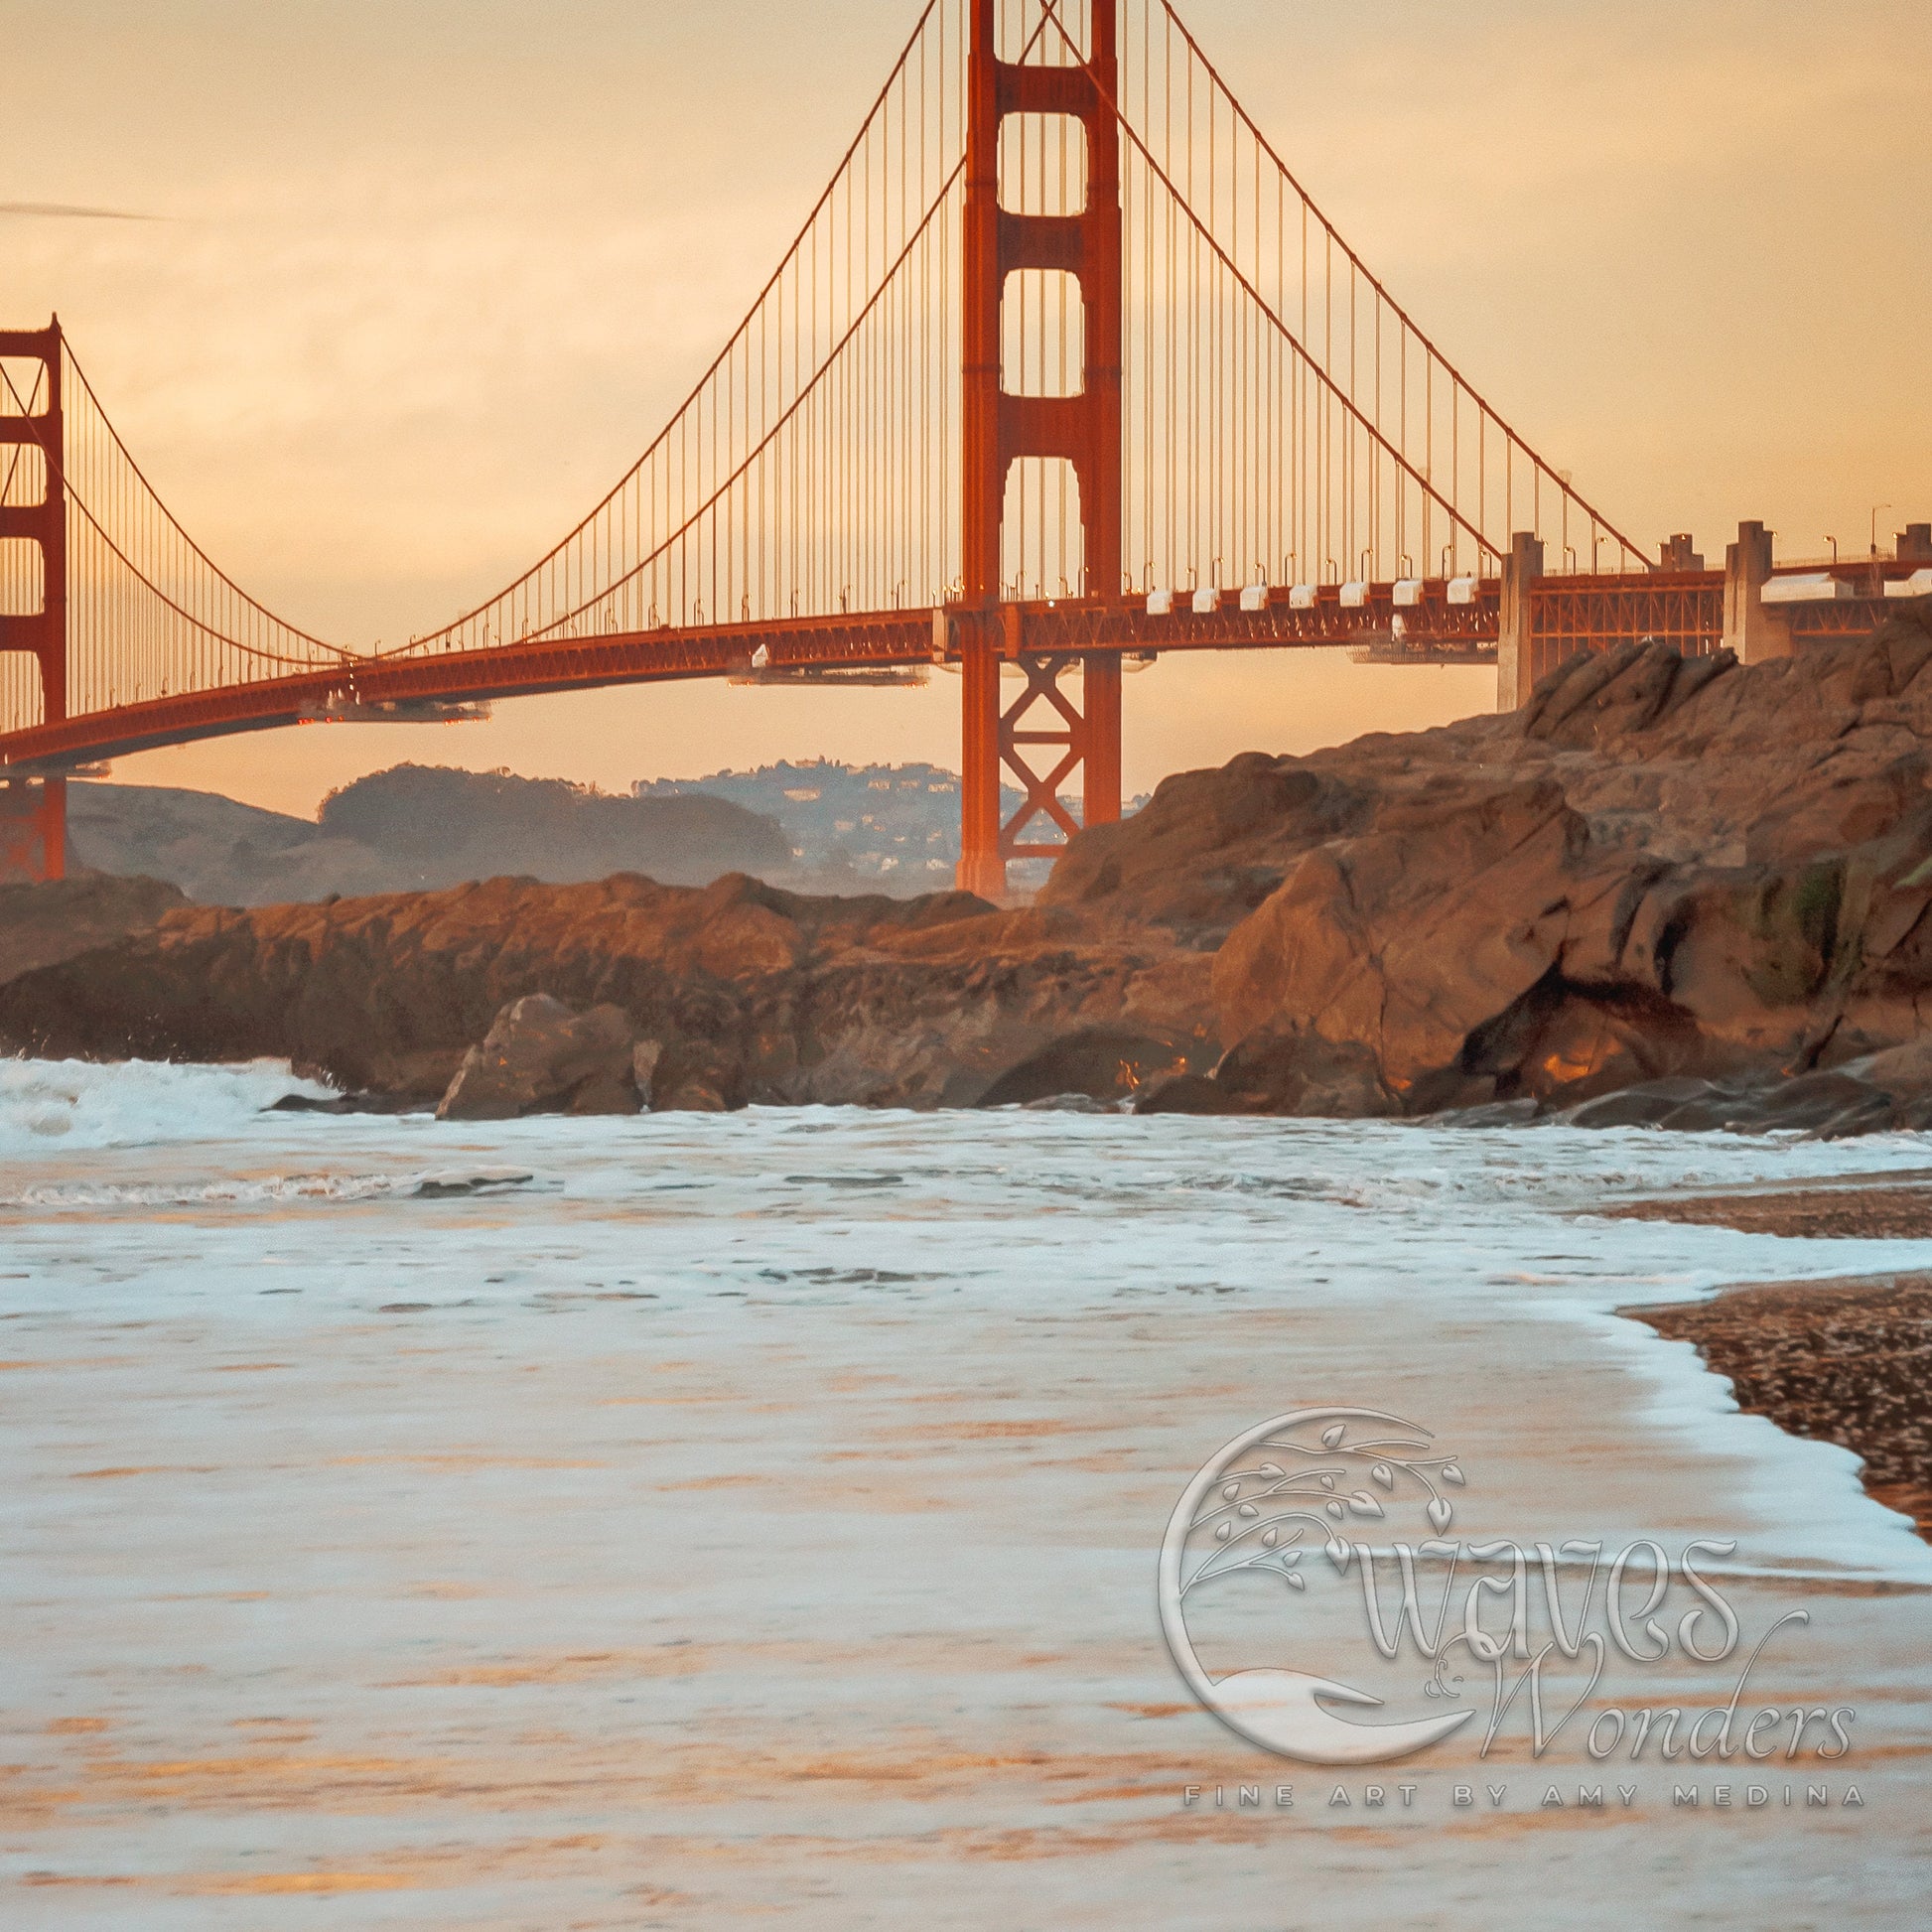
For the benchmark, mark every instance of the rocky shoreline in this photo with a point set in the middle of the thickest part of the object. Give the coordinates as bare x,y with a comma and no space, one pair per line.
1842,1361
1669,891
1848,1360
1893,1206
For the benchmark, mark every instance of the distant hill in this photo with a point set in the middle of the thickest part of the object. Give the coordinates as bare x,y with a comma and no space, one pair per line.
412,828
214,849
443,826
816,827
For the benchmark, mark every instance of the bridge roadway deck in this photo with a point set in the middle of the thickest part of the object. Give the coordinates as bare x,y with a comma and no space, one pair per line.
880,641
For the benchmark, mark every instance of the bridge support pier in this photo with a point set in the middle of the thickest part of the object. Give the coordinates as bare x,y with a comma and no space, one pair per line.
33,830
1516,667
1100,747
1755,633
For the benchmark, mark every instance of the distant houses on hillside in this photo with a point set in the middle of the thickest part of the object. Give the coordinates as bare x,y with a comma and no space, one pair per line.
896,824
892,822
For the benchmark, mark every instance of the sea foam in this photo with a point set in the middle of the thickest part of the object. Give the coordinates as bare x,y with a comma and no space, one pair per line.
58,1104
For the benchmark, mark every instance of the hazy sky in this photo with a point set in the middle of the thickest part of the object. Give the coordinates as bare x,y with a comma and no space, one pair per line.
417,281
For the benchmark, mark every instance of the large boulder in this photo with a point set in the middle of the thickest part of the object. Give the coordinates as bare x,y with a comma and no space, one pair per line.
541,1057
1662,870
1291,1070
1403,941
1209,846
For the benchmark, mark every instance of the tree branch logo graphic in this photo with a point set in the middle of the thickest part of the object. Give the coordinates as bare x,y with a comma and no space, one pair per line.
1257,1506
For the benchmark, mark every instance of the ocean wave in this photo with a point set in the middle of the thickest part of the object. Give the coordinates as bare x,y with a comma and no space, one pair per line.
268,1189
49,1105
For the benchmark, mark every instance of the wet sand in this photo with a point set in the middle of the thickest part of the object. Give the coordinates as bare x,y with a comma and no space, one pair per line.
753,1519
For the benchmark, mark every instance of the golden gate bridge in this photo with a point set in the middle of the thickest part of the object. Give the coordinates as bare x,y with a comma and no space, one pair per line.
1065,367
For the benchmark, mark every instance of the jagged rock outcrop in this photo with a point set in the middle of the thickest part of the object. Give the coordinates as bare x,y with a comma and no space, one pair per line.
42,926
1209,847
1695,883
751,994
1661,869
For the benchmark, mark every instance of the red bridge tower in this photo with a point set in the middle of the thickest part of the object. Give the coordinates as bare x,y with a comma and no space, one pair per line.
1083,429
33,812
